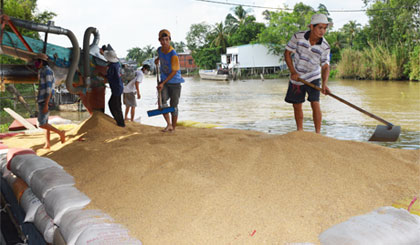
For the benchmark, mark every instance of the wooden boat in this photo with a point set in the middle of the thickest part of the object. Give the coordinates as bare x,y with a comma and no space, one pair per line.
213,75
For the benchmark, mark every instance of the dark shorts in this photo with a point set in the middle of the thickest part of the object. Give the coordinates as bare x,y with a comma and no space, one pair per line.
42,118
172,92
296,93
130,99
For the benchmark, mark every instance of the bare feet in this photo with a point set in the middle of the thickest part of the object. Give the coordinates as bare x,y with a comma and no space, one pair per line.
46,146
168,129
62,136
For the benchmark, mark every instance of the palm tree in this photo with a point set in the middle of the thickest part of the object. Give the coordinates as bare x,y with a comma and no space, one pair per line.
232,23
149,51
221,36
135,54
351,29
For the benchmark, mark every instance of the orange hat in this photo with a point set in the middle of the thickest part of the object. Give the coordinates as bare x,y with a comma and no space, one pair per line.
164,31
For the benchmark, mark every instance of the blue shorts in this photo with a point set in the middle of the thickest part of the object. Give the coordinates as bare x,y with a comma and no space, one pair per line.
296,93
42,118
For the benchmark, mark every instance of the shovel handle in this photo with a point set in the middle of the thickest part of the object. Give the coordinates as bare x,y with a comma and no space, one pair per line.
390,125
159,92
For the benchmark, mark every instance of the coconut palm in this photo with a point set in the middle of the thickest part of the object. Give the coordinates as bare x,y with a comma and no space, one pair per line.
351,29
221,36
232,23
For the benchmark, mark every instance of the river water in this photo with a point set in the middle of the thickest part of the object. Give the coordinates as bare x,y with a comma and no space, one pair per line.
259,105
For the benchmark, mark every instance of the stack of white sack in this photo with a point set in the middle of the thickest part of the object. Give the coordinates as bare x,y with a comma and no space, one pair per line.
55,206
386,225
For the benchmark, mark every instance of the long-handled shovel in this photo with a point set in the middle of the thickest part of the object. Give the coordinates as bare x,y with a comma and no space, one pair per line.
382,133
160,110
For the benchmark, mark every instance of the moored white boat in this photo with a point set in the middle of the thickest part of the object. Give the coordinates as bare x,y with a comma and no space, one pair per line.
212,75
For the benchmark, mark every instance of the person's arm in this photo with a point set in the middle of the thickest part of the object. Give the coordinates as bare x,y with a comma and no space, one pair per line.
138,90
325,73
288,58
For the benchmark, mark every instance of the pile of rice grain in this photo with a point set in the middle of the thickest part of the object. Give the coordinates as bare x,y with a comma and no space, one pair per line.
225,186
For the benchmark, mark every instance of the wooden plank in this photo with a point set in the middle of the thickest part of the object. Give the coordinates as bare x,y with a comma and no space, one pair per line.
19,118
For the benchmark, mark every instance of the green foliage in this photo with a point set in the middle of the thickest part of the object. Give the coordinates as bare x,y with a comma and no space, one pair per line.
337,42
208,42
333,73
376,62
197,36
282,25
178,46
4,127
350,30
393,22
141,54
414,64
247,32
220,37
206,58
25,10
349,65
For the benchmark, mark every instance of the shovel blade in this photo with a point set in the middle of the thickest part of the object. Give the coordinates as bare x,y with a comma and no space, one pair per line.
385,134
159,112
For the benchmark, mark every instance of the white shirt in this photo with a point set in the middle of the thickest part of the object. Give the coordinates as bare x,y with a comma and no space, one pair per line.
131,86
308,59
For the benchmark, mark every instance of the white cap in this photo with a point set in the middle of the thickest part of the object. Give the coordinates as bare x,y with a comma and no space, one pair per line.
320,19
111,56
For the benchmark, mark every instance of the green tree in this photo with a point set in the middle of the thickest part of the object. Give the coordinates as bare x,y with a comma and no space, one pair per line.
206,58
25,10
149,51
247,32
282,25
350,30
197,36
394,21
136,54
232,22
337,42
179,46
221,37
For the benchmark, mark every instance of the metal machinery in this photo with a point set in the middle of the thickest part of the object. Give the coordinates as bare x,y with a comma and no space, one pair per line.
80,70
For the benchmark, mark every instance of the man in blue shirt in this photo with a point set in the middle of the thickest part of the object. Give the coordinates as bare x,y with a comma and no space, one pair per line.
45,92
170,77
117,86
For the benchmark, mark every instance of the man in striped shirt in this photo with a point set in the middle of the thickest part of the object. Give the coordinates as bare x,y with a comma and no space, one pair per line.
45,91
310,62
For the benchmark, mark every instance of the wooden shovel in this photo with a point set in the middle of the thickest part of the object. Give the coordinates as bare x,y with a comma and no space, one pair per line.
382,133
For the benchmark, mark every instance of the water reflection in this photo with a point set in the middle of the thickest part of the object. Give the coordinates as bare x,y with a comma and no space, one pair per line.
259,105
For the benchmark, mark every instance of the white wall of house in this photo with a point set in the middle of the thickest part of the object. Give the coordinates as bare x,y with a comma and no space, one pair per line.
250,55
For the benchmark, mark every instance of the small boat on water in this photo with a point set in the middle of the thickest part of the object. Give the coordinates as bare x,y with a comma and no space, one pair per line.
220,75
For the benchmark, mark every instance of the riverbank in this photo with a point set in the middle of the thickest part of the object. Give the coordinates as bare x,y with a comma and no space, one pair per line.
201,186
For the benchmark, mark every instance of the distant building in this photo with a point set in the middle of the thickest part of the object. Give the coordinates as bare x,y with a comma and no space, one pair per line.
186,62
255,58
